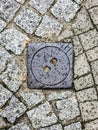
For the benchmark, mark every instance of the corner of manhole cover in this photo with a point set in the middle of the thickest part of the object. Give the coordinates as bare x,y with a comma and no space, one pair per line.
50,65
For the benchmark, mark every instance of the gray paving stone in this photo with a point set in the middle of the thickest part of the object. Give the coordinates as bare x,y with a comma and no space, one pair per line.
81,65
4,95
20,126
68,109
20,1
77,46
92,54
65,10
84,82
8,9
89,110
48,27
93,125
87,95
82,22
13,40
94,14
14,110
91,3
60,95
78,1
4,59
41,5
2,123
13,76
74,126
27,20
32,97
89,39
53,127
2,25
94,66
42,116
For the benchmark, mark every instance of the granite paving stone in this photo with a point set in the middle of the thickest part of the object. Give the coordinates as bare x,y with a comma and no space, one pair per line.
20,1
94,66
5,57
82,22
53,127
42,116
84,82
74,126
81,65
48,27
41,5
89,110
91,3
8,9
92,54
87,95
78,1
93,125
60,95
2,123
2,25
77,46
32,97
14,110
66,11
20,126
13,40
68,109
27,20
94,14
89,39
4,95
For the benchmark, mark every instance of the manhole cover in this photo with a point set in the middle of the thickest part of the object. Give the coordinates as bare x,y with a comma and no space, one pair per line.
50,65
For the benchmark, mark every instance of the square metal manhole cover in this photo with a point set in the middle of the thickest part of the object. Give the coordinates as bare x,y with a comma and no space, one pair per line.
50,65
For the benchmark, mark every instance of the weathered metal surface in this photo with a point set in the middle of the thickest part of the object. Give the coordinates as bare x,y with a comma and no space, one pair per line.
50,65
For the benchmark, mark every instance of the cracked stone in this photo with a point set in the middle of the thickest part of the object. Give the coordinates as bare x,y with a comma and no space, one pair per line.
74,126
77,46
87,95
4,59
48,27
13,40
60,95
20,1
89,39
89,110
82,22
84,82
68,109
14,110
28,20
20,126
94,14
40,5
42,116
8,9
93,125
4,95
81,65
2,123
32,97
92,54
94,66
65,10
2,25
13,77
53,127
91,3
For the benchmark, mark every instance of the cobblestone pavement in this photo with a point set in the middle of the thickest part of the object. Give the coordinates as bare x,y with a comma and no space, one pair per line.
26,21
